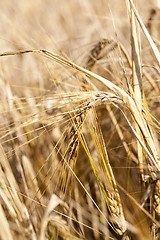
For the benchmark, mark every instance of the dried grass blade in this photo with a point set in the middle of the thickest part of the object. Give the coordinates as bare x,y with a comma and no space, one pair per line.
153,46
5,232
137,84
59,224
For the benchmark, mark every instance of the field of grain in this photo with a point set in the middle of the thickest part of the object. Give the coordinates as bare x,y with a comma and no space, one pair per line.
80,119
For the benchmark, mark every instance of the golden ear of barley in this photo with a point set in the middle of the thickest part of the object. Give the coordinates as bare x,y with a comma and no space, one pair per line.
155,190
104,174
157,198
71,152
116,211
95,53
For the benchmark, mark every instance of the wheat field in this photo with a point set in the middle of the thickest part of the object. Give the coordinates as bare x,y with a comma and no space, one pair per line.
80,119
